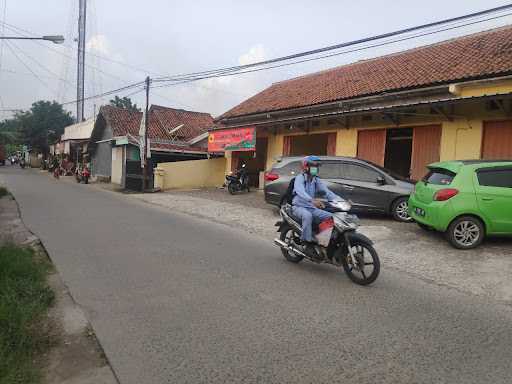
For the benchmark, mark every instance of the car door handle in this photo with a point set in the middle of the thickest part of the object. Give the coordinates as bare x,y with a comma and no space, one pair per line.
487,198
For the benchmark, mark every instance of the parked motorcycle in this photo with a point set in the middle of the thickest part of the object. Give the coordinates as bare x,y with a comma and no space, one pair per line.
238,182
343,246
82,174
22,163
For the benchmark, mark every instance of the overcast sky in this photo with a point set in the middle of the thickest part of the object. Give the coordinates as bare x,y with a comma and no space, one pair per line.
163,37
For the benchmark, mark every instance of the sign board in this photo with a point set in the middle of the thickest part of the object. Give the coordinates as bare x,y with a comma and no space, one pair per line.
237,139
122,141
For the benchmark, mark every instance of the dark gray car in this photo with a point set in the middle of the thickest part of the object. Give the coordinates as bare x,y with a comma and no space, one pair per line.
371,188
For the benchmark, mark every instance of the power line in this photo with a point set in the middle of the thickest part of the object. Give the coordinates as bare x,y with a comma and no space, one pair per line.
343,45
108,93
237,70
8,44
191,79
38,63
15,30
4,13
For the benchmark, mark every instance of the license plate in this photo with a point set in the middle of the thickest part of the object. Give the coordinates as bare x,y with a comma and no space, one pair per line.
419,211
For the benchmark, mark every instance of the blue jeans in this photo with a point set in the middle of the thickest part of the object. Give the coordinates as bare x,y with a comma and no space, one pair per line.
307,216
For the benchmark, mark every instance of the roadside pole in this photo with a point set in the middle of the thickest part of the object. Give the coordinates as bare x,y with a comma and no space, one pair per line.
145,151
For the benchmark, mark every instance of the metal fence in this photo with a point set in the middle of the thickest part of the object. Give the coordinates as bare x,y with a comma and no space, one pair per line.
133,177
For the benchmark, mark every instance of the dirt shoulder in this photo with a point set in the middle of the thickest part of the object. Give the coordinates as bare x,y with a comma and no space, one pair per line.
72,354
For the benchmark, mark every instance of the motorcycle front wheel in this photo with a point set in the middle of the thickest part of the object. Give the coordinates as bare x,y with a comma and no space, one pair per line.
367,266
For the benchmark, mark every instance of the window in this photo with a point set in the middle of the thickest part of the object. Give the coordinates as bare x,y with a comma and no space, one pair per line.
330,170
358,173
495,178
439,177
292,168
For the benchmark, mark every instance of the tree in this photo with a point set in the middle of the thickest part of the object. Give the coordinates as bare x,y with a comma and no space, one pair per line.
8,132
43,124
125,103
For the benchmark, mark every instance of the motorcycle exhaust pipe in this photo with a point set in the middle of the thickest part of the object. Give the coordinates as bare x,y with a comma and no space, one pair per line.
282,244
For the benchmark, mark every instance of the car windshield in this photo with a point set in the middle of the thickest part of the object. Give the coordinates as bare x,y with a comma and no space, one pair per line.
439,176
391,173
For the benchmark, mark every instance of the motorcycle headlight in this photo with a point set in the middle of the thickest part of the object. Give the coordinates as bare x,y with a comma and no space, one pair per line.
343,205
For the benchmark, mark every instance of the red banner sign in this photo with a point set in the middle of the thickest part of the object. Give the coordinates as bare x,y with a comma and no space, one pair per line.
237,139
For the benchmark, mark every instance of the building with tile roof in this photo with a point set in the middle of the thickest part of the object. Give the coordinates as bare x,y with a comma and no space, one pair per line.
174,134
449,100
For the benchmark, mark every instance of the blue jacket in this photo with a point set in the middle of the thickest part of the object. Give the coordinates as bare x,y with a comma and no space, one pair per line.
305,191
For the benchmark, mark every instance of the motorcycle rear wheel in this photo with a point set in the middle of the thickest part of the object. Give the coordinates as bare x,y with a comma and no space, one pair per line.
231,188
366,255
287,236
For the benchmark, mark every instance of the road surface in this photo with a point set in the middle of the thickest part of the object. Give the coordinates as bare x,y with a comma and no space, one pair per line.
175,299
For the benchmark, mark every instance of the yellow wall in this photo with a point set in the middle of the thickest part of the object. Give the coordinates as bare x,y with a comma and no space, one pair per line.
274,149
461,139
117,165
485,88
346,142
190,174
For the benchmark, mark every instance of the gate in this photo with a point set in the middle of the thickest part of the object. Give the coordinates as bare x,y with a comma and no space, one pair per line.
133,176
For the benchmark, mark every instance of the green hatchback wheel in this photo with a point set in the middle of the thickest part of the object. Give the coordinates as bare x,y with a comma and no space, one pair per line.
466,232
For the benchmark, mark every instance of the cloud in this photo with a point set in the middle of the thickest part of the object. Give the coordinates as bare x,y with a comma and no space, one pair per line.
217,95
256,53
99,44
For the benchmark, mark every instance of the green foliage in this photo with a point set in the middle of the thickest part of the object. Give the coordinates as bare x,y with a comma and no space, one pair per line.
125,103
24,300
8,132
43,124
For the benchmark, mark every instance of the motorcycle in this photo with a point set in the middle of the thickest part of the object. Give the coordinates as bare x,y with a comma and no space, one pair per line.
82,175
22,163
343,246
239,182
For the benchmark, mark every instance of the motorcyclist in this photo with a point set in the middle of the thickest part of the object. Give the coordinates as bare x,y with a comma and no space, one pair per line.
306,206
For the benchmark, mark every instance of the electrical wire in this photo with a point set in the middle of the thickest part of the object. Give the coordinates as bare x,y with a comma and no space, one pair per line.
108,93
242,69
346,44
4,13
38,63
188,80
8,44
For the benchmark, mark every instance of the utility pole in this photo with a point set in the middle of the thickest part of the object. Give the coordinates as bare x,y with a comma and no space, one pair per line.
145,151
80,85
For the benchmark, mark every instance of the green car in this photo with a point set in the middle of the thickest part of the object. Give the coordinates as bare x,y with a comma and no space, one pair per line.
465,199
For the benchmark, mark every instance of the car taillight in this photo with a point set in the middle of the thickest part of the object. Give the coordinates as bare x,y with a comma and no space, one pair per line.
269,176
445,194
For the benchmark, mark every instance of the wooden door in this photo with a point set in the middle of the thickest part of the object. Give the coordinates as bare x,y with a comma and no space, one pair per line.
331,144
497,140
371,145
426,142
287,145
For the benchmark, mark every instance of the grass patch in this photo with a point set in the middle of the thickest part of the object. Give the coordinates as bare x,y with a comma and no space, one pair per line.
3,192
24,300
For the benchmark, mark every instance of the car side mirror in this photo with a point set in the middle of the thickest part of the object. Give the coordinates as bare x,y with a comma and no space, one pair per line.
381,180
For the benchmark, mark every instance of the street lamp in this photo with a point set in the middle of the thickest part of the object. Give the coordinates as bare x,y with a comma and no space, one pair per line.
56,39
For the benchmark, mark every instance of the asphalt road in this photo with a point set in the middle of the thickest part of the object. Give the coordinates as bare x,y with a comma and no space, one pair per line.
175,299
